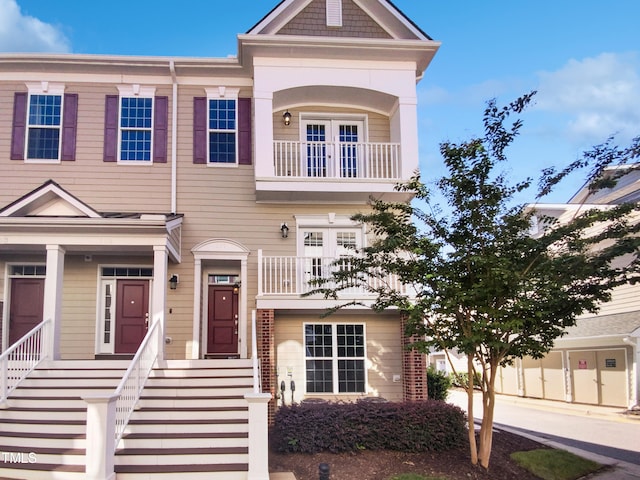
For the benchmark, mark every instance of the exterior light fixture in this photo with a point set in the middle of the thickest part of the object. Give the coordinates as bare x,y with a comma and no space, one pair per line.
286,117
284,230
173,282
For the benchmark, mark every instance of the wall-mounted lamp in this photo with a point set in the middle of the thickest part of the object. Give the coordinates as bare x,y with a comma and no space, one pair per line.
173,282
284,230
236,287
286,117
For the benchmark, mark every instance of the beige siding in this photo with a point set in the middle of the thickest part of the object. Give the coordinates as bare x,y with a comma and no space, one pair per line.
624,299
384,354
378,125
139,188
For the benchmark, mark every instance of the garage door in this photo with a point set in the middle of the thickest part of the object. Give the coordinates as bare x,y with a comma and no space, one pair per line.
544,378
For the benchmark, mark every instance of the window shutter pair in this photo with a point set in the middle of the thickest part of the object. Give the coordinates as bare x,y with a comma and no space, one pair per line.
69,126
160,128
200,137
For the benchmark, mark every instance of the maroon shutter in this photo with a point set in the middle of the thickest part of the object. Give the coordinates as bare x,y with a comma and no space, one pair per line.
69,126
244,131
19,131
200,130
111,128
160,128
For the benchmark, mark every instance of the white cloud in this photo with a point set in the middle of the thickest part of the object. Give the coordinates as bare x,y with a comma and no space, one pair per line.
600,96
23,33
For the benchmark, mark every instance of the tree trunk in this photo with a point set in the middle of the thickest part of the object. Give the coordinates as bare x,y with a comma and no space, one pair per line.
471,425
486,429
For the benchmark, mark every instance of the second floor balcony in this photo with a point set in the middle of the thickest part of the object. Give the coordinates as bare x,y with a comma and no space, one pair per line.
287,281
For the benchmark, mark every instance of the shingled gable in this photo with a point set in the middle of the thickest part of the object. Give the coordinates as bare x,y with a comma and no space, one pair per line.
49,200
358,18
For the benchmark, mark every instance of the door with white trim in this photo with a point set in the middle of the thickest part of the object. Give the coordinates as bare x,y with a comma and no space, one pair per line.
333,148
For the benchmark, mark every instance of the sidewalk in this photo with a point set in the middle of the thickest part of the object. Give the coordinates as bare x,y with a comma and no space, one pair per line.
619,470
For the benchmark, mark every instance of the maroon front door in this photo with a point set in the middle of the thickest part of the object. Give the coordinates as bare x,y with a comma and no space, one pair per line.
132,314
25,309
222,326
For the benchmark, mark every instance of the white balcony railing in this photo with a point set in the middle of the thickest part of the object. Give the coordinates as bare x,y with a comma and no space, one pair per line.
296,275
337,160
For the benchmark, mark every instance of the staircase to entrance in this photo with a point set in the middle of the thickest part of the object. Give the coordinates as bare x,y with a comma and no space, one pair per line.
192,421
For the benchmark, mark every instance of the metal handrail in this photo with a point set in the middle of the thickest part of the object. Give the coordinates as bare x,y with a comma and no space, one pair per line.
19,360
130,388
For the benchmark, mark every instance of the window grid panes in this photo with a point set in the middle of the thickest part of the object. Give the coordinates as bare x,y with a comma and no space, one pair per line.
349,152
222,130
136,122
44,119
335,358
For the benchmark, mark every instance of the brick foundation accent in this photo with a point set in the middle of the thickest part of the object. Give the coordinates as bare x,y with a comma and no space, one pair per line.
267,355
414,369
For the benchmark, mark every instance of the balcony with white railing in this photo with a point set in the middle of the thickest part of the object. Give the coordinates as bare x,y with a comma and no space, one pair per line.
285,281
336,171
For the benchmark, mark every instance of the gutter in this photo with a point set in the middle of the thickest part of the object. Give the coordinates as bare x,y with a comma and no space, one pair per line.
174,134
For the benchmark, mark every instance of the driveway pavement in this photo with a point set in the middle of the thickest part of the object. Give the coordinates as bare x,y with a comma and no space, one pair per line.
602,434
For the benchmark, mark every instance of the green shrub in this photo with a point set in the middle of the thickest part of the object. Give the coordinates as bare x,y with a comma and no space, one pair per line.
348,427
438,384
461,379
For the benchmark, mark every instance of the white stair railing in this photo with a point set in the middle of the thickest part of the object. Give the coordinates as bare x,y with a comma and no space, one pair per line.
132,383
21,358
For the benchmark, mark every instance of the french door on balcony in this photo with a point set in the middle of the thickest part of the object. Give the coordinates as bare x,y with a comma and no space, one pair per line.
321,246
332,148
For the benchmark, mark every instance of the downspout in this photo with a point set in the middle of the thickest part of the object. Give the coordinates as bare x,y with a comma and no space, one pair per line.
635,394
174,137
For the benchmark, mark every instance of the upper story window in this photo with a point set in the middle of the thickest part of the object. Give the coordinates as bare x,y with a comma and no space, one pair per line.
222,131
136,122
222,125
136,119
222,128
136,126
44,124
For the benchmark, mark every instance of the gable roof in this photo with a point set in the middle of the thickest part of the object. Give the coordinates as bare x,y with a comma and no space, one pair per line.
605,325
48,200
383,13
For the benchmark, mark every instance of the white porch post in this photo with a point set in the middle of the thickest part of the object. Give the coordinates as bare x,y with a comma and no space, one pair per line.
404,129
159,296
100,441
263,113
197,296
53,298
258,435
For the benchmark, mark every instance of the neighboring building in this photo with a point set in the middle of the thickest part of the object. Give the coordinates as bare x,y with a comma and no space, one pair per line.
597,362
201,193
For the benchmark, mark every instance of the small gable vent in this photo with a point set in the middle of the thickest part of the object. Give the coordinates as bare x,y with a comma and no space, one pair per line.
334,13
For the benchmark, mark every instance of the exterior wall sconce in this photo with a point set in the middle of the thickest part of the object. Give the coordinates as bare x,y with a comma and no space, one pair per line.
286,117
173,282
284,230
236,287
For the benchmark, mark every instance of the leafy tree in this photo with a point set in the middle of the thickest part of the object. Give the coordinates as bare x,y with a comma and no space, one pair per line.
474,277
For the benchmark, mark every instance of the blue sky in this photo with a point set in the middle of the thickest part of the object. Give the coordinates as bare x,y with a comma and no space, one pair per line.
582,56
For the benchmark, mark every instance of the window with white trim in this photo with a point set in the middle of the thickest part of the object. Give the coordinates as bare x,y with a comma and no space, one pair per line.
222,125
135,125
44,121
335,358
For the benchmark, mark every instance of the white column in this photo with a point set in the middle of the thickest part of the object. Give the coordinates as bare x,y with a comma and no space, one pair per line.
404,129
100,441
197,309
53,297
258,435
263,133
159,295
244,282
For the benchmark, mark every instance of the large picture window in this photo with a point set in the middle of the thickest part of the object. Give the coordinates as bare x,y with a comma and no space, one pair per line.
335,358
